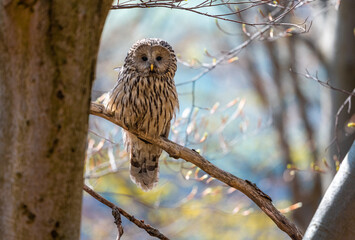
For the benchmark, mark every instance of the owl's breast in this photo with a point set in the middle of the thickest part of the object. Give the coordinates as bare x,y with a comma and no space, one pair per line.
152,104
144,103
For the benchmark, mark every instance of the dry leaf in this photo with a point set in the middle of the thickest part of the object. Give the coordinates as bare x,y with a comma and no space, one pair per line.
214,108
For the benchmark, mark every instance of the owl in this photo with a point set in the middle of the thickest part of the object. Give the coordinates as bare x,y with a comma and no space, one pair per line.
145,99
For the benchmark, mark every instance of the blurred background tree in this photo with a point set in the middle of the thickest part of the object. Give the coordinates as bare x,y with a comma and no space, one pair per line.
259,113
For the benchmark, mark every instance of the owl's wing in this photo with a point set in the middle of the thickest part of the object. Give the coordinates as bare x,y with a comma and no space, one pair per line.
112,97
166,130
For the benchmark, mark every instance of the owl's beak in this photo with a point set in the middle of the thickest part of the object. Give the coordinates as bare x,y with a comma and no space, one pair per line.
151,67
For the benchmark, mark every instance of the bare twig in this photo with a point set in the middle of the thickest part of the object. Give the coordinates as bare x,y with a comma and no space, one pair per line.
341,108
324,84
140,223
230,54
203,7
191,112
246,187
116,214
235,51
97,174
106,139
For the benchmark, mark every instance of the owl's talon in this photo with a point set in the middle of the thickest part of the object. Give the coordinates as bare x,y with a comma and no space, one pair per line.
195,151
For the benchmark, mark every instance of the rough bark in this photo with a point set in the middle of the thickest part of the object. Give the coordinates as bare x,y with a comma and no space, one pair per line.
335,218
48,55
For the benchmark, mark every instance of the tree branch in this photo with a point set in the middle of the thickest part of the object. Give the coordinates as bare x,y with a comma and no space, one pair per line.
249,189
204,7
140,223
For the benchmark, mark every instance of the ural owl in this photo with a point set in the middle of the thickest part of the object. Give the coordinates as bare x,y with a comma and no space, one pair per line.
145,98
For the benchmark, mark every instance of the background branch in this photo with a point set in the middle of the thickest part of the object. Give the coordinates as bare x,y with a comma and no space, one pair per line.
177,151
230,9
140,223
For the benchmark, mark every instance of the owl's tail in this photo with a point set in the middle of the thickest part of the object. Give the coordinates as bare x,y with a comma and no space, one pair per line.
144,167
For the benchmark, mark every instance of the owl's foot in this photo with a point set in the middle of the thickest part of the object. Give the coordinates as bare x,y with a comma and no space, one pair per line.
143,140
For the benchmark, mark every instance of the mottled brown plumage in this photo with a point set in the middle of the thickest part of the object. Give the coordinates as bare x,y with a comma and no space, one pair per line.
145,98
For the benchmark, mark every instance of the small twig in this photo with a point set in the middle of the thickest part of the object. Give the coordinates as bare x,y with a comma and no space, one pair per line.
140,223
201,9
324,84
178,151
116,214
191,112
106,139
230,54
235,51
347,101
341,108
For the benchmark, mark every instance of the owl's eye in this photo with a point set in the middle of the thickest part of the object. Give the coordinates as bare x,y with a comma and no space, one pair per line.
144,58
158,58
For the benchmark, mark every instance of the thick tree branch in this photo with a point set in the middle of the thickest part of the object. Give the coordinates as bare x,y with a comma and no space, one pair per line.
149,229
251,190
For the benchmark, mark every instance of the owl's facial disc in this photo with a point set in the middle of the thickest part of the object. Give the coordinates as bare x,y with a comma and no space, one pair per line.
152,60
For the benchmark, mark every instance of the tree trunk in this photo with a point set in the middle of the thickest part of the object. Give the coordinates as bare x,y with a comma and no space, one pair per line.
48,55
334,218
343,75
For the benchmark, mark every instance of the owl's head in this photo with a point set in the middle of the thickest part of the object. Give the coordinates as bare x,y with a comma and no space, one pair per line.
151,57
